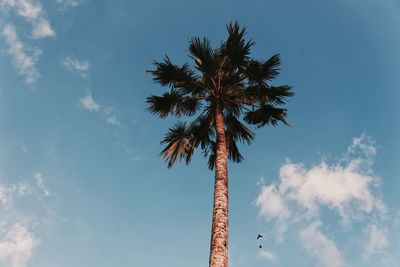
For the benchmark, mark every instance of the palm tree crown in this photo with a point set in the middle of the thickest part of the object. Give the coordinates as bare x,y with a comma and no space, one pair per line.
224,78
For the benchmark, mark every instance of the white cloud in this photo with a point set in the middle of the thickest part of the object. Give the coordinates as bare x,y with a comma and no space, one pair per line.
17,246
377,241
33,13
320,246
272,206
40,183
348,188
268,255
24,63
69,3
89,103
42,29
113,120
80,66
342,188
271,203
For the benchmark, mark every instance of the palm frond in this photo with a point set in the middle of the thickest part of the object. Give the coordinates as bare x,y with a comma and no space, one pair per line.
233,151
203,55
259,73
172,103
188,106
236,47
237,131
271,68
179,144
278,94
254,72
202,130
169,74
262,94
232,81
266,114
211,153
177,77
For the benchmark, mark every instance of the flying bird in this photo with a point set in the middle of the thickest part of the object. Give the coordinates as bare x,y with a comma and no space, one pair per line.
259,236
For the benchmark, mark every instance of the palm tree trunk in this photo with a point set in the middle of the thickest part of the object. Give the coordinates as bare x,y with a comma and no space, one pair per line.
219,229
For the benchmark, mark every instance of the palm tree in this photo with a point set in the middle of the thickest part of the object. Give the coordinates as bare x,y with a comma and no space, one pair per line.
225,89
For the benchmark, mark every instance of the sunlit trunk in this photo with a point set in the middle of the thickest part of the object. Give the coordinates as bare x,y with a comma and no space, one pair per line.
219,230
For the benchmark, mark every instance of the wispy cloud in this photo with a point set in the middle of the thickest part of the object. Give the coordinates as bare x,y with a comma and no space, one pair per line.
112,119
320,246
80,66
89,103
33,13
7,192
21,189
349,188
24,62
69,3
377,240
268,255
40,183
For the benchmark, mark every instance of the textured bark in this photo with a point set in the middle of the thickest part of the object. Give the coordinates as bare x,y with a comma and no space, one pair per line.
219,229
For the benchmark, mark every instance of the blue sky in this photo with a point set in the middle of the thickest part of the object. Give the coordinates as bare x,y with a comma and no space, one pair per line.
80,180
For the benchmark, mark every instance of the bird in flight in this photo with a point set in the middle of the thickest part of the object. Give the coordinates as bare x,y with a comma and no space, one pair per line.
259,236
